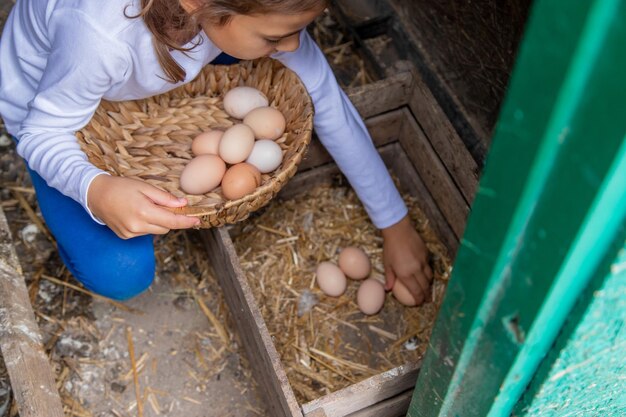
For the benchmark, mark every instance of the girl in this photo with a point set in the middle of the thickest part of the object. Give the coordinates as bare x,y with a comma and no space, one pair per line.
59,58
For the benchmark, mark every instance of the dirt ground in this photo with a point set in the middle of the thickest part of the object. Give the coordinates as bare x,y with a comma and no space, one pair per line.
185,366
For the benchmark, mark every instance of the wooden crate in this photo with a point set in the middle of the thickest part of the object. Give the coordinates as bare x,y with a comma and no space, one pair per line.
465,52
420,146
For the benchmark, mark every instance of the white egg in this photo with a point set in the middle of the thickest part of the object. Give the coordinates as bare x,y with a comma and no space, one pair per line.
240,101
266,155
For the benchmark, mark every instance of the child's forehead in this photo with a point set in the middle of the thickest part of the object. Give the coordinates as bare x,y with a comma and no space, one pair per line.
285,23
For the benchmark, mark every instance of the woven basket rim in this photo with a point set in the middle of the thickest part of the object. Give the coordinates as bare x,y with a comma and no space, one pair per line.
277,80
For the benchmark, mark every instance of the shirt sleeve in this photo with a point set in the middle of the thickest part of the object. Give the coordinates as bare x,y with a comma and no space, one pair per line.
82,65
343,133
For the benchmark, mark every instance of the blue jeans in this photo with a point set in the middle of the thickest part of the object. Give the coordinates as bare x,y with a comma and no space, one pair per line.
104,263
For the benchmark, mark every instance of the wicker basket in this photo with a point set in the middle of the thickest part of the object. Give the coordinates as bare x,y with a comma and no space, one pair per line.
150,139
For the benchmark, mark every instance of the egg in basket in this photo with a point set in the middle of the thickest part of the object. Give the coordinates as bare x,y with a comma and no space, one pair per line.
151,139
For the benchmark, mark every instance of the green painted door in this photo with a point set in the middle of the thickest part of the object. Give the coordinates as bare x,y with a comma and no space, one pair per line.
533,319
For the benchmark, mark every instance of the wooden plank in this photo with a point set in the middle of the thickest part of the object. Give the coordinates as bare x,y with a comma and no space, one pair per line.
304,181
410,181
28,366
262,354
393,407
382,96
444,138
363,394
384,128
435,176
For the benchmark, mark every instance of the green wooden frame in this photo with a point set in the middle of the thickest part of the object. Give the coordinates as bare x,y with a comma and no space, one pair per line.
548,217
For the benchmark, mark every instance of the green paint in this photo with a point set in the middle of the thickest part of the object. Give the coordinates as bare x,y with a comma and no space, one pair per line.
596,235
603,223
551,186
588,377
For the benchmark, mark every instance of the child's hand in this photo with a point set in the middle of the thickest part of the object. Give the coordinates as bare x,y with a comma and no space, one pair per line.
406,258
134,208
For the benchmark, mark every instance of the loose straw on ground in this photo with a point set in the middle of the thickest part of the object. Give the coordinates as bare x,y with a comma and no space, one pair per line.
131,353
99,297
214,321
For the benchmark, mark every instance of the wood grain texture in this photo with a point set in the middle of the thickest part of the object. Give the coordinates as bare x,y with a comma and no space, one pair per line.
444,138
394,407
368,392
435,176
262,354
382,96
410,181
32,379
384,128
409,154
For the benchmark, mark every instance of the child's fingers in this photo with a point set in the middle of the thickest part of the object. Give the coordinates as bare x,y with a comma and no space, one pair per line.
414,287
390,278
422,280
165,218
428,272
153,229
163,198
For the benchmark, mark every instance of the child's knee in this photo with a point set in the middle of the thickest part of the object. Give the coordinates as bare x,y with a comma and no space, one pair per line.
132,276
118,272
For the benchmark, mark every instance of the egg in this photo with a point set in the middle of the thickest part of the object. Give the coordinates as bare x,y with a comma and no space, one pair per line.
236,144
331,279
239,101
354,263
207,143
402,294
266,155
266,122
370,296
202,174
239,180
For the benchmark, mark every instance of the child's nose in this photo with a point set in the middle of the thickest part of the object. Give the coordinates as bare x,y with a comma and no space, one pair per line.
289,44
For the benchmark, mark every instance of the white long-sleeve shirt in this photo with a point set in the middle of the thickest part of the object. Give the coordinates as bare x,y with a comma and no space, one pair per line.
59,58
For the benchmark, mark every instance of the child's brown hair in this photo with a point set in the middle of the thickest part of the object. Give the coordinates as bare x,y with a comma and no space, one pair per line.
171,26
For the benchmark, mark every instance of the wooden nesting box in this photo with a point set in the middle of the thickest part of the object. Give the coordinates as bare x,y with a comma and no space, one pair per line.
421,147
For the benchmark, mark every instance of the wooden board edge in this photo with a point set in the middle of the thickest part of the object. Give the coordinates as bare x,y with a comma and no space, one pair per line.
31,375
444,138
409,179
263,357
366,393
381,96
393,407
383,128
435,176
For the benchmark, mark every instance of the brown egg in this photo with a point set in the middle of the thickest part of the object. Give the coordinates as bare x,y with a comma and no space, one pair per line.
354,263
266,123
371,296
240,179
207,143
402,294
331,279
202,174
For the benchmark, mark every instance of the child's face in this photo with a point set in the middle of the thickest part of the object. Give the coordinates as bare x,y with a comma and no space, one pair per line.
255,36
